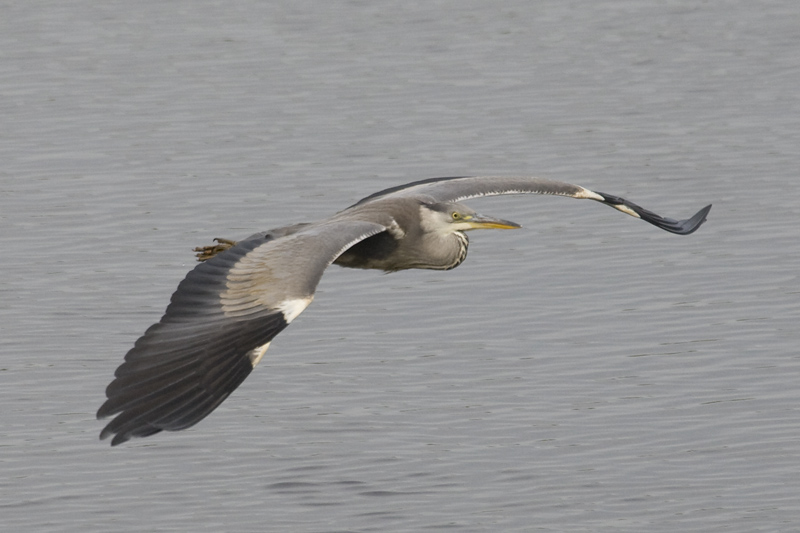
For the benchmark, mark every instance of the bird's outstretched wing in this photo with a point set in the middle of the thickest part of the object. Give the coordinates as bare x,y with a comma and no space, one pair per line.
464,188
218,325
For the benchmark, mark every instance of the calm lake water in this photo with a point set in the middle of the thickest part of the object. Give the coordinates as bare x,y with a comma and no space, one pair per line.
586,373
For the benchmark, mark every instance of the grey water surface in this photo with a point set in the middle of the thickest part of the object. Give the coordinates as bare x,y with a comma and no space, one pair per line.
585,373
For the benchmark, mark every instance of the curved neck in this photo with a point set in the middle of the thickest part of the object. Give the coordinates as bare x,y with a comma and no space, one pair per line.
446,252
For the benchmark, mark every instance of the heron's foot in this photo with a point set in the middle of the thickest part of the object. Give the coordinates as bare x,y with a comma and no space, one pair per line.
204,253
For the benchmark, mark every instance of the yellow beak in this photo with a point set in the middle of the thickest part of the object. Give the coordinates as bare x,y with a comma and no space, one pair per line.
484,222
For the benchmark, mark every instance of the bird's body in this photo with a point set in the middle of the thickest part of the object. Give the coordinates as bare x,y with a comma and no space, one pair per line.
227,310
411,239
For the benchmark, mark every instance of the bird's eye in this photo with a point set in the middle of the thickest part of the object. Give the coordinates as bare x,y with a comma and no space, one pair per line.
456,215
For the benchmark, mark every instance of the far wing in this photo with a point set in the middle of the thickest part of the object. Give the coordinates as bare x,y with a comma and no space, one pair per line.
218,325
458,189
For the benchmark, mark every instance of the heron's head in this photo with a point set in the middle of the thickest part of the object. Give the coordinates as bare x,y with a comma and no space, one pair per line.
448,217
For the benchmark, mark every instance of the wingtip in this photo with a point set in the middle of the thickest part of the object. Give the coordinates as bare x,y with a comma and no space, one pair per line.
691,225
105,434
678,227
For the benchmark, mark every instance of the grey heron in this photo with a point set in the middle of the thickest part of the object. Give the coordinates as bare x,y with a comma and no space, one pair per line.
226,312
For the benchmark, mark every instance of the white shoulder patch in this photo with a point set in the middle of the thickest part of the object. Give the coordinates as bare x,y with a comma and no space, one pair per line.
395,230
256,354
292,308
627,210
588,195
585,193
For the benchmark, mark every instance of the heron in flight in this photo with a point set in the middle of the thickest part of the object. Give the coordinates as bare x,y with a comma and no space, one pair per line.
226,312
